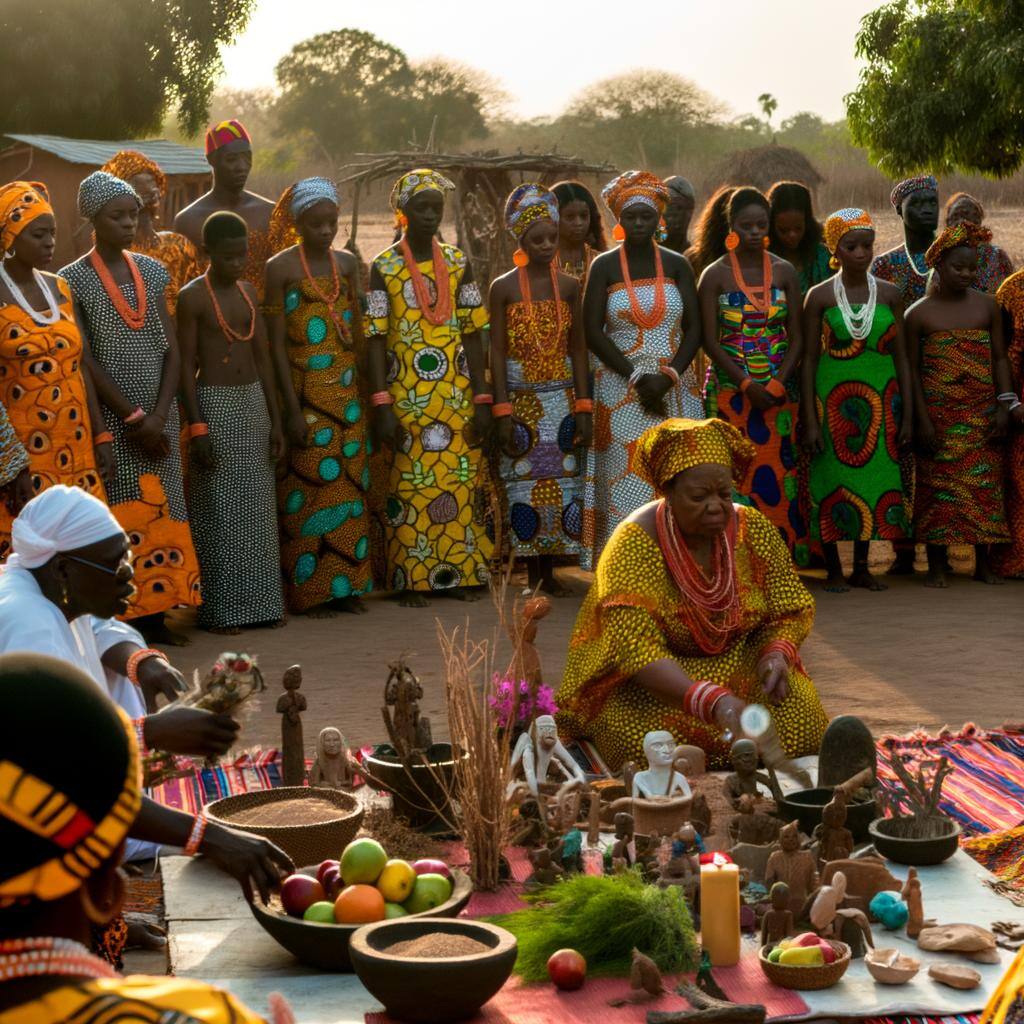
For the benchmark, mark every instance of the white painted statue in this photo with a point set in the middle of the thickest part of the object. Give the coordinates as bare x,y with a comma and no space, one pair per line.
661,779
538,750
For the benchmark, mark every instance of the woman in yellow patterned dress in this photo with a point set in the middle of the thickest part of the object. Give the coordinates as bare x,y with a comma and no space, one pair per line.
430,398
542,411
316,329
43,385
695,611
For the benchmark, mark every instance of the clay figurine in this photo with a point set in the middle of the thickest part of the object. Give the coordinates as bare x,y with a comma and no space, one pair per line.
835,840
689,760
793,866
825,904
777,923
332,768
745,776
290,706
752,859
700,814
911,895
846,749
526,662
661,778
865,878
971,940
644,981
852,927
624,849
546,870
683,866
752,826
407,729
539,750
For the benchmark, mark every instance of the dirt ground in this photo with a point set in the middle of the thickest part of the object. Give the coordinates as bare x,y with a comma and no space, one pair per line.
906,658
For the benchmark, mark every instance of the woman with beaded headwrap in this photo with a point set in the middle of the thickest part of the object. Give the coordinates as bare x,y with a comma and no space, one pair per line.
132,353
750,302
955,337
542,410
641,323
316,337
857,403
47,392
67,805
173,250
431,400
695,611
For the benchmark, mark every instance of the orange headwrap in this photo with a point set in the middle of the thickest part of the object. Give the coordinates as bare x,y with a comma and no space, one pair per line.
668,449
129,162
635,187
20,203
964,233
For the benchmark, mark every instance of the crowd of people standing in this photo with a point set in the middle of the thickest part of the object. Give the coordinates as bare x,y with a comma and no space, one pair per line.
274,435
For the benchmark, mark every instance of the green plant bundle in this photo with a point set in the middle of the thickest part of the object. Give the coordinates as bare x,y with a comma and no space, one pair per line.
603,918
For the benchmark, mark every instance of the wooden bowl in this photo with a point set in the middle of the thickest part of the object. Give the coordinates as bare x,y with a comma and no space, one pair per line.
899,972
304,843
805,806
327,945
432,990
806,979
889,842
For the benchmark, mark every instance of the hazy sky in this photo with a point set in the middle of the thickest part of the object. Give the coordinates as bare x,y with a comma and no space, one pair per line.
800,50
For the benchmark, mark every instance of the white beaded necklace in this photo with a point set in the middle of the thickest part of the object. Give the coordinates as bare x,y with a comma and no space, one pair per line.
41,318
859,323
31,958
913,262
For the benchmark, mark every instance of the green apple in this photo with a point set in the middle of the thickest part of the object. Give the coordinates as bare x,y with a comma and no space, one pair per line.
430,891
362,861
322,912
392,910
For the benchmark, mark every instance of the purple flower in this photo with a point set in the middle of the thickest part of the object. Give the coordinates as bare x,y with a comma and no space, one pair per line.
514,699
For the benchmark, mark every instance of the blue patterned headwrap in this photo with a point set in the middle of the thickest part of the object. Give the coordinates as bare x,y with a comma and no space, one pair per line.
98,189
527,204
309,192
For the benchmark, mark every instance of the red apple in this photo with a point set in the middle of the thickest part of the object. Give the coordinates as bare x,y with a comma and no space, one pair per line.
324,866
828,952
332,883
429,866
567,969
299,892
806,939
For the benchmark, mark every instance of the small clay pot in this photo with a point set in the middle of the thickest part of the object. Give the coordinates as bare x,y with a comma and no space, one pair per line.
891,970
805,807
431,990
892,839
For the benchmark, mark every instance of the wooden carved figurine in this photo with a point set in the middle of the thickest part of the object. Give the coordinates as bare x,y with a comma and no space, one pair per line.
407,729
835,840
290,706
793,866
683,866
538,751
546,870
745,776
752,826
526,662
644,981
332,768
530,829
777,923
826,903
911,895
624,849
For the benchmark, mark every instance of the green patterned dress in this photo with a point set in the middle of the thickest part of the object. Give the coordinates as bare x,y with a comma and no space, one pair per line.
856,492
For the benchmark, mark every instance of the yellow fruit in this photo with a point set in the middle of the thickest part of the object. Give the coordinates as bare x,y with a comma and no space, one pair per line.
396,881
802,956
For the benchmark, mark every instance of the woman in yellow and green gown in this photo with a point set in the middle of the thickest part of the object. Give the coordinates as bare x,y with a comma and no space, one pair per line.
695,612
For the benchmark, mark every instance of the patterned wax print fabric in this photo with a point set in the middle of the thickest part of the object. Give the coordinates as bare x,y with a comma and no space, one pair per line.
629,619
435,509
180,260
136,999
233,511
757,342
994,267
959,492
42,387
322,499
13,457
855,484
816,271
1008,560
579,269
611,488
910,276
543,487
147,495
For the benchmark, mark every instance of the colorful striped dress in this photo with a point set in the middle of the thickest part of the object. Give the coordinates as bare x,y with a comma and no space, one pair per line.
757,342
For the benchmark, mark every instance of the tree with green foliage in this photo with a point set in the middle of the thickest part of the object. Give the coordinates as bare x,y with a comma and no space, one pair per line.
113,69
942,86
768,104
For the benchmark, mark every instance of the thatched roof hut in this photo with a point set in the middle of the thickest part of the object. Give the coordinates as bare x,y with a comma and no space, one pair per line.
761,167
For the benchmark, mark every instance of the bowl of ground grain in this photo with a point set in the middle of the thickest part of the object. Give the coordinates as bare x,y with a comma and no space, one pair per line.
310,825
429,970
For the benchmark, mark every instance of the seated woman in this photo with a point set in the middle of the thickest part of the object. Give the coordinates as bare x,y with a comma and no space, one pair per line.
69,795
695,611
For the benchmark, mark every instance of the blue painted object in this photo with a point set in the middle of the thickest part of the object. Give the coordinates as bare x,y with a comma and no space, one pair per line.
890,910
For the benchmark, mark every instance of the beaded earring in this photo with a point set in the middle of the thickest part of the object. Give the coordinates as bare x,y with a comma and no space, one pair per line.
732,241
520,257
618,233
766,241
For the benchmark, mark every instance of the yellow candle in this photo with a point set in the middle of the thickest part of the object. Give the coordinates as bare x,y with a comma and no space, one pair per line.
720,912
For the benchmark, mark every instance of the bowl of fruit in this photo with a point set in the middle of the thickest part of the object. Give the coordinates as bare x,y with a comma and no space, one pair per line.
319,908
806,962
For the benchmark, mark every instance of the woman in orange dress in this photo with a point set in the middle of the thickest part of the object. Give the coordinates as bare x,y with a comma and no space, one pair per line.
47,393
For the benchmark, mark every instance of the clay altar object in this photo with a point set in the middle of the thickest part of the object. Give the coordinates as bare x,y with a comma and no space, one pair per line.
546,870
752,826
745,776
332,768
661,778
407,729
526,662
825,904
846,749
689,761
683,866
911,895
624,848
290,706
971,940
777,923
888,967
530,829
865,878
955,976
539,751
793,866
852,927
835,840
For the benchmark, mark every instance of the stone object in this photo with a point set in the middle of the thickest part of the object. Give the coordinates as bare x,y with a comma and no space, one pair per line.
539,751
956,938
644,975
752,859
955,976
889,967
661,778
745,777
290,706
689,760
912,897
407,729
846,749
888,908
793,866
332,768
777,923
865,878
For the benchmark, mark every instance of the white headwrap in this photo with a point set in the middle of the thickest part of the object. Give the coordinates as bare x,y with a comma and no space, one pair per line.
98,189
60,519
311,191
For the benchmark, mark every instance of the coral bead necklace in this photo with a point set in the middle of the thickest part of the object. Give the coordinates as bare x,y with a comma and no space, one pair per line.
441,311
647,321
230,334
759,296
133,318
524,288
329,299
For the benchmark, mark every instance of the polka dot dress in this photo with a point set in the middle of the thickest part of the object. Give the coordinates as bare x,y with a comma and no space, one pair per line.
628,621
